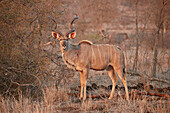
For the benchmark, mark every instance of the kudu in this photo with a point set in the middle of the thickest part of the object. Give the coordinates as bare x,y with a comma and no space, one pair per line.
85,55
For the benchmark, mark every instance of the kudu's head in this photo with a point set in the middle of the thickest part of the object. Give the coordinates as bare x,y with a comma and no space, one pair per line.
64,38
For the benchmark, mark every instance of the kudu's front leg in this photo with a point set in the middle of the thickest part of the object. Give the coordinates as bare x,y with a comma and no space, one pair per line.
83,80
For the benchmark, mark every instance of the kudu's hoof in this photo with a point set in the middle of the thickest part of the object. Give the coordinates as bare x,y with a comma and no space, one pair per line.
110,98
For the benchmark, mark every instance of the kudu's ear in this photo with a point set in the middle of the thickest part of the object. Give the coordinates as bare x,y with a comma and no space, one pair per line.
72,35
56,35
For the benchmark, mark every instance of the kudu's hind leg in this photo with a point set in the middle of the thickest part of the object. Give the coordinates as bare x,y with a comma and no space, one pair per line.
113,77
123,79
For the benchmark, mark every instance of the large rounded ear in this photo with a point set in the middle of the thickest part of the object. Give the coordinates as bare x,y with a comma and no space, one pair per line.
56,35
72,35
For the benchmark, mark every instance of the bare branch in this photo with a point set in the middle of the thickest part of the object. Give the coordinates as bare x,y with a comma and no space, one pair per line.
32,22
159,80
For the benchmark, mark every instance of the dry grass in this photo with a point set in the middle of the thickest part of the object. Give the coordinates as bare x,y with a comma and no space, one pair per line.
57,100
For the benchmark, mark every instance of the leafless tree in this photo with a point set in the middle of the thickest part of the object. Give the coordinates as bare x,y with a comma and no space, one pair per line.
159,21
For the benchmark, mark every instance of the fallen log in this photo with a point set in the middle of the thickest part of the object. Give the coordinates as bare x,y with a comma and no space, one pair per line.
133,95
159,80
151,94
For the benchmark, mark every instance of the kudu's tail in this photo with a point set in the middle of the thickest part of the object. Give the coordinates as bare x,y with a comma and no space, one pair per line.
123,71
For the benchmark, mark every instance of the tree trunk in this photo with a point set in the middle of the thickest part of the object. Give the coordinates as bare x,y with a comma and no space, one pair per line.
159,24
137,40
155,58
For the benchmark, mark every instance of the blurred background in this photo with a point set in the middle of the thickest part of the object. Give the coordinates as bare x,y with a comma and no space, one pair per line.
27,63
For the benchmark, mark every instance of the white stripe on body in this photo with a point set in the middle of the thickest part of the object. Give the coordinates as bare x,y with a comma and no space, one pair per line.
93,56
100,55
103,53
115,56
108,53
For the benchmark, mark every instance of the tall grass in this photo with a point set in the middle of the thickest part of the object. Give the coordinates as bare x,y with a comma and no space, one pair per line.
57,100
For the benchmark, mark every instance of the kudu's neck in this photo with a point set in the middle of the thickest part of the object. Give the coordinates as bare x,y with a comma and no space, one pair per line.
69,46
69,50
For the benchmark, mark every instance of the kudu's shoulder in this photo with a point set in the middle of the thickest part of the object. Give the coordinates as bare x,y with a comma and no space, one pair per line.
85,42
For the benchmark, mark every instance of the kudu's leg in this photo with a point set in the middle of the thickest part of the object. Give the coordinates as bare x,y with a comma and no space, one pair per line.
83,80
123,79
113,77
